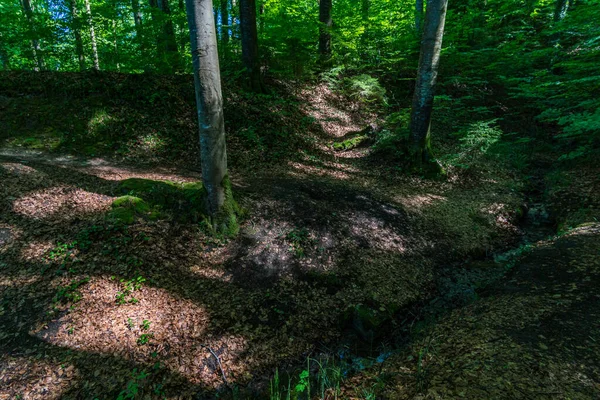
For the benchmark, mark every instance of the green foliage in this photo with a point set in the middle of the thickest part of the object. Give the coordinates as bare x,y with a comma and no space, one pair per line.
365,88
474,142
70,293
183,201
125,296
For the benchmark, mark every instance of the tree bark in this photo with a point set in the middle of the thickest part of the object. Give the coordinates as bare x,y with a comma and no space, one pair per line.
326,21
250,46
137,20
76,26
561,9
5,59
209,102
95,60
166,42
225,22
419,16
422,105
38,56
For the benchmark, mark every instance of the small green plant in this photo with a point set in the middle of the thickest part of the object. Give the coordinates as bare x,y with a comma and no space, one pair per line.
299,239
130,323
133,386
145,325
70,293
129,286
144,338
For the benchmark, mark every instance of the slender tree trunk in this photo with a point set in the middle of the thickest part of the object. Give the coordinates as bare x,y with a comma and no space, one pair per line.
166,41
325,30
88,12
364,38
38,56
209,101
137,20
76,26
4,59
422,106
225,22
561,9
261,16
250,45
419,16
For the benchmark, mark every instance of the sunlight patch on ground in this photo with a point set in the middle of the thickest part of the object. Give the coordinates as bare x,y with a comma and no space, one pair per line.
36,251
333,120
319,171
419,201
210,273
62,203
114,173
31,377
174,331
376,233
18,169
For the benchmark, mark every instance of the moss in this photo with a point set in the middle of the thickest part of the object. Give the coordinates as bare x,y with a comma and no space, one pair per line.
226,222
351,143
123,215
135,203
125,208
185,202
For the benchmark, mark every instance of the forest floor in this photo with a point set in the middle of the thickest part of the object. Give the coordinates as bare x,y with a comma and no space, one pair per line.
339,260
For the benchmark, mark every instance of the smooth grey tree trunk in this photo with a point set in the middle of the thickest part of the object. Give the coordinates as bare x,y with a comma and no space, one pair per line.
250,45
419,16
95,60
209,102
326,22
422,105
561,9
38,56
76,26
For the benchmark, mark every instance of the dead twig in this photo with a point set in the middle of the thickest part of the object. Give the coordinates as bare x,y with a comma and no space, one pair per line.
218,362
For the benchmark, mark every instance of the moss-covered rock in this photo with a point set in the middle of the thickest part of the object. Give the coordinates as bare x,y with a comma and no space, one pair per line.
125,208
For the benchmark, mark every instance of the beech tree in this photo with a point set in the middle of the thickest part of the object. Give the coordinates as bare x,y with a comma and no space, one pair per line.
419,16
422,104
76,27
209,102
250,45
561,9
95,59
166,42
38,57
326,21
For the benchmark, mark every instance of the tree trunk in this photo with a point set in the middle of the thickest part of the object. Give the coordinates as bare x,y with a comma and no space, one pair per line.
561,9
419,17
76,26
250,45
225,22
364,38
209,102
5,59
422,106
88,12
137,20
38,56
325,30
166,42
